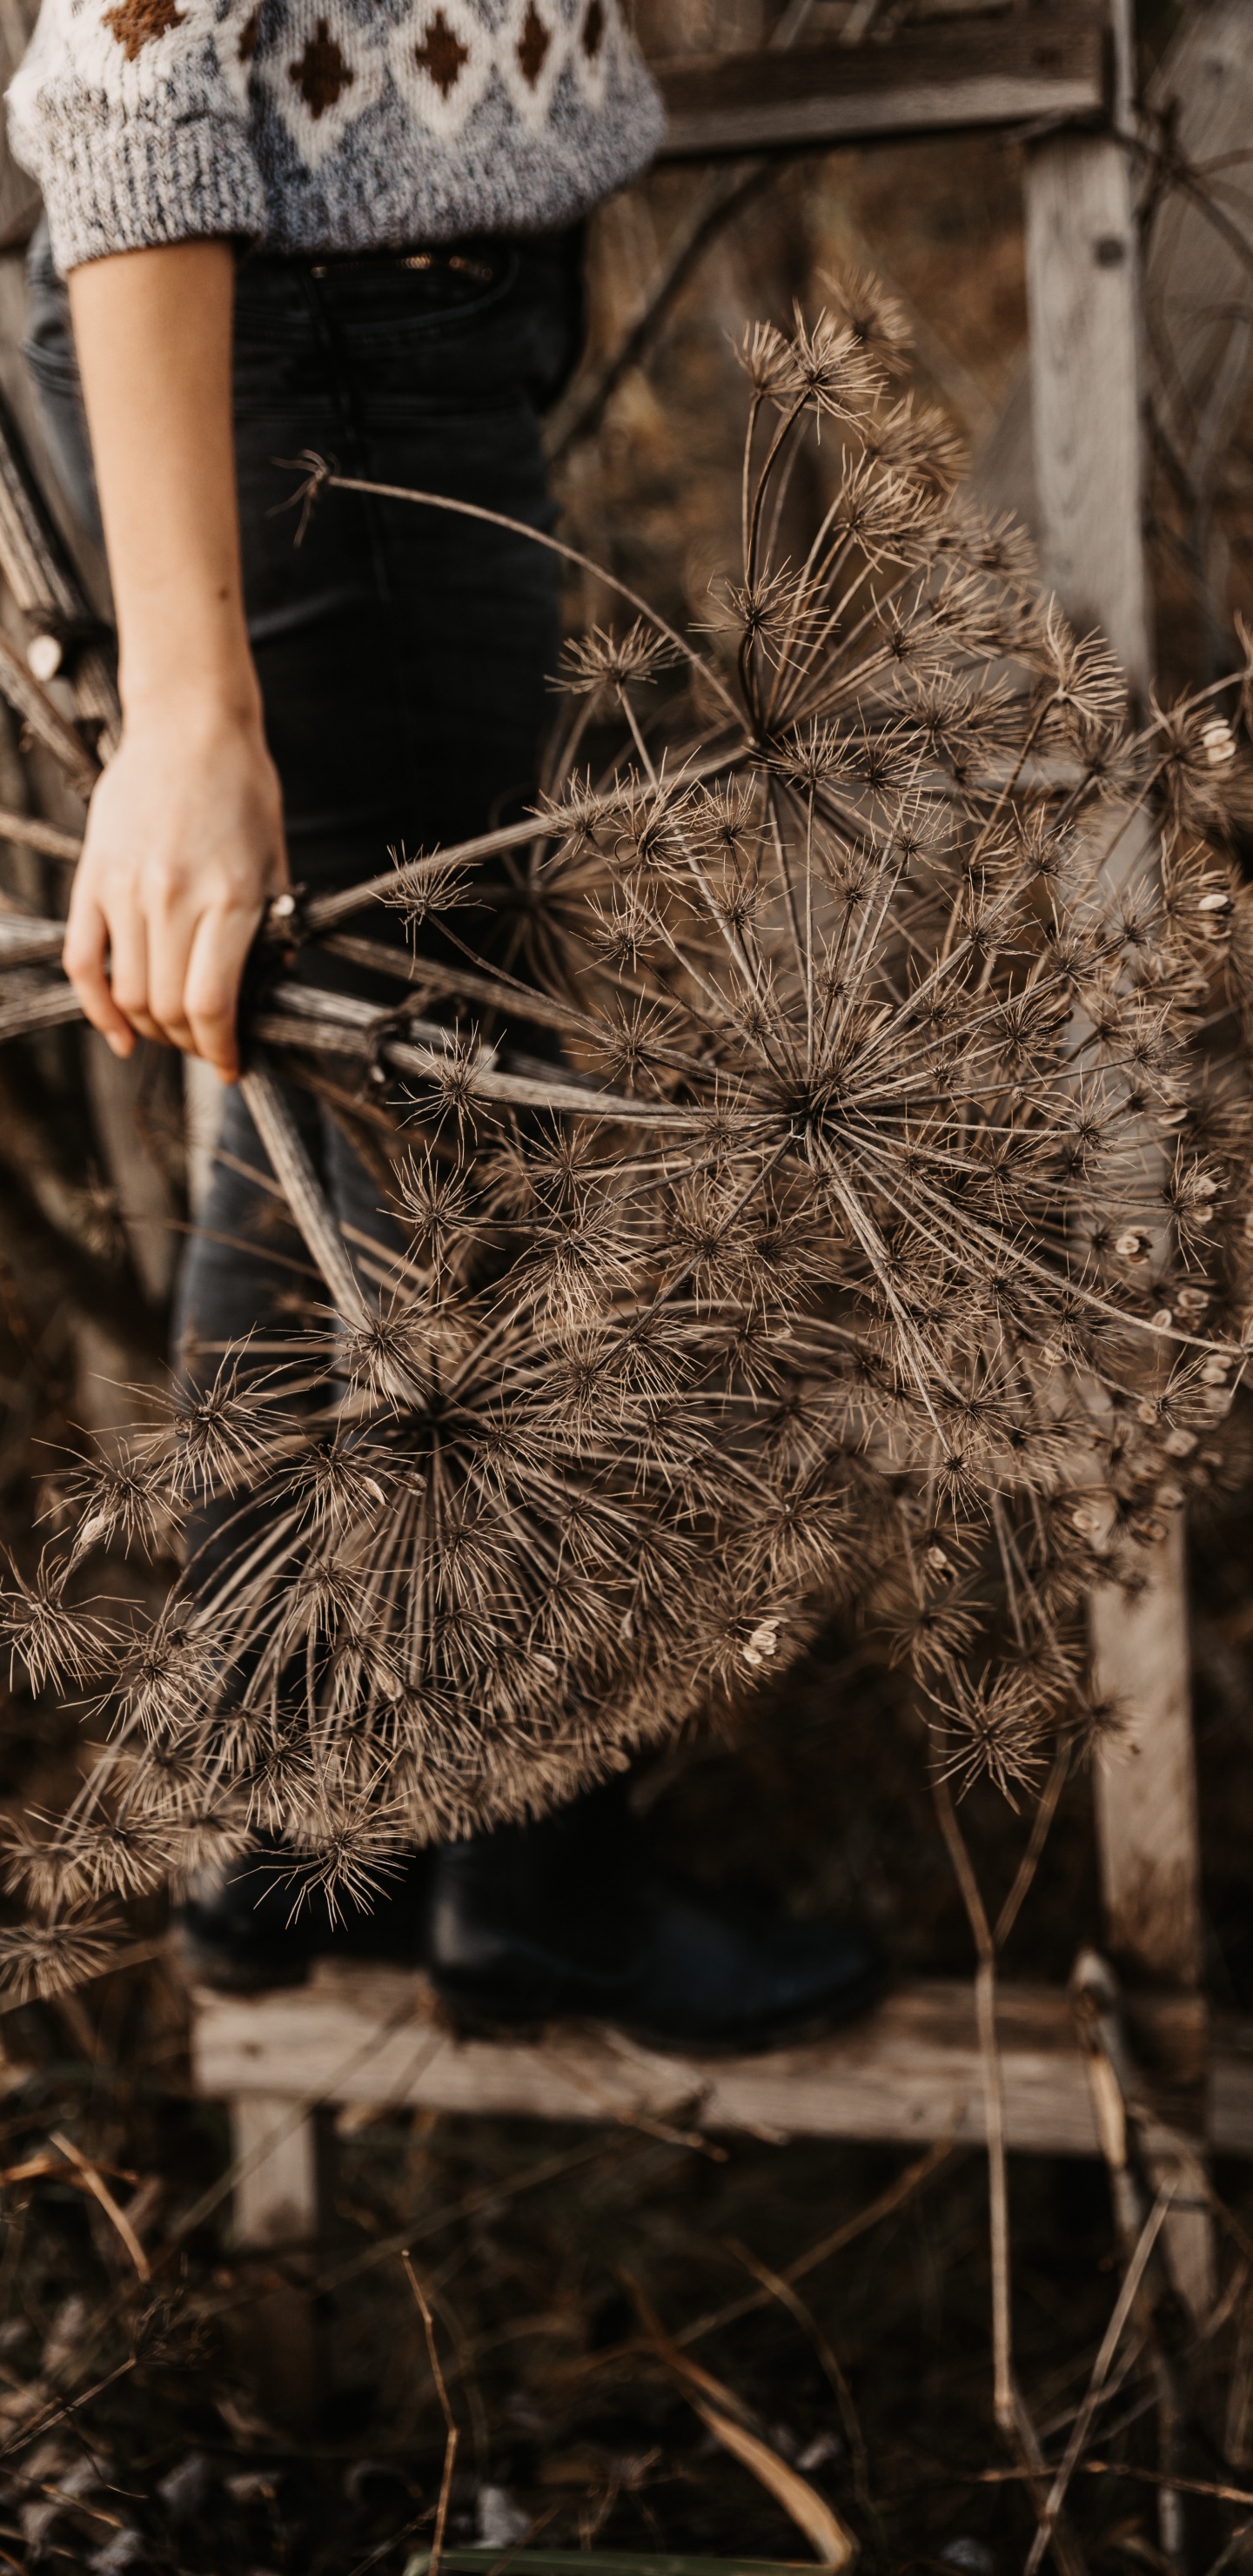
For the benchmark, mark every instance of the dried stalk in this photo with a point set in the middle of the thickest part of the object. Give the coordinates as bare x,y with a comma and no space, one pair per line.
1110,2075
1124,2309
35,834
303,1191
46,722
1004,2395
452,2435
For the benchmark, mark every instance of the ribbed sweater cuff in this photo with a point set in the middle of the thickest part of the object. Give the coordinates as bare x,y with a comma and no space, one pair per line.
129,182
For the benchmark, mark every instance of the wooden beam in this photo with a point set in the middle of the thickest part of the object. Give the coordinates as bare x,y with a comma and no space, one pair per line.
910,2070
1084,311
1083,304
1145,1783
1017,71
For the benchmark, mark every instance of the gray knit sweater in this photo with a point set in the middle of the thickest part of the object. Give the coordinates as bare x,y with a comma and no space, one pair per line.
334,125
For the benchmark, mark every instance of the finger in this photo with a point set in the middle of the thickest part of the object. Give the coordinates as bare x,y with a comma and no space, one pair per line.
128,967
83,957
170,937
211,994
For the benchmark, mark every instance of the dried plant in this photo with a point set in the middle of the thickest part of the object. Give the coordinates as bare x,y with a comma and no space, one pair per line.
873,1227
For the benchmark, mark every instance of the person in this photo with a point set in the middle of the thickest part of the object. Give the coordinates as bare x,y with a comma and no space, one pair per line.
349,227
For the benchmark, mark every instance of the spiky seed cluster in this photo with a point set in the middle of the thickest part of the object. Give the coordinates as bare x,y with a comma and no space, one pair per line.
869,1222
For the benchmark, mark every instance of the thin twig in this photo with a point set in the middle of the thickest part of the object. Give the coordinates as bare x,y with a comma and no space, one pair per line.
1113,2469
790,2298
321,478
32,831
453,2436
97,2185
993,2108
1110,2341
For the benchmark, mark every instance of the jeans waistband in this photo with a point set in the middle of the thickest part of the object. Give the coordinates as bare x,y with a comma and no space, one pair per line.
455,263
480,262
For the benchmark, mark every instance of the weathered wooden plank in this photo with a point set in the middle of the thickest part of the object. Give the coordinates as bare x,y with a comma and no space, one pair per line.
1083,305
1013,71
1145,1783
1082,288
910,2070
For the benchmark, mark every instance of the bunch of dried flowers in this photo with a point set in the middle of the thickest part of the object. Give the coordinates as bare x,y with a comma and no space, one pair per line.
872,1229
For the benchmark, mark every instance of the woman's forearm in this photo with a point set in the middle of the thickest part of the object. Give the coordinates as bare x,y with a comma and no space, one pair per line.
184,843
153,333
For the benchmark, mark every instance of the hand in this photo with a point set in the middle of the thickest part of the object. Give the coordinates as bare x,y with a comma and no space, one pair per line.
184,850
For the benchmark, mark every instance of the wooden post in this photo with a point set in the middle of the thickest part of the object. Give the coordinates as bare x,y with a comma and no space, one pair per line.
275,2148
1146,1825
1145,1787
276,2196
1083,301
1084,306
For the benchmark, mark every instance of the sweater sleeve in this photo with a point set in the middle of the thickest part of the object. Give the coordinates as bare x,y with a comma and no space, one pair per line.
133,117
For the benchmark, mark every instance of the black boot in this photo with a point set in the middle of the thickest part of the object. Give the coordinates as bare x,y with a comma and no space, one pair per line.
573,1918
239,1933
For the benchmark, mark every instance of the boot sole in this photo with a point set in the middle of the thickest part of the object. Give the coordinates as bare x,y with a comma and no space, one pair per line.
486,2019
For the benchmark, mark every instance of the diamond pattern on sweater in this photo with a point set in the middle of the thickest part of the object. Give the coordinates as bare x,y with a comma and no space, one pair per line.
441,54
136,23
533,45
440,59
128,49
597,32
321,73
236,37
533,49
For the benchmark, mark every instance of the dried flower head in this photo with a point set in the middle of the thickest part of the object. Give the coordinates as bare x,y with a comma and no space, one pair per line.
810,1193
602,660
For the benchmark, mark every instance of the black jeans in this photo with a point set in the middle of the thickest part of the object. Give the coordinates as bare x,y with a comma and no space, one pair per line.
402,652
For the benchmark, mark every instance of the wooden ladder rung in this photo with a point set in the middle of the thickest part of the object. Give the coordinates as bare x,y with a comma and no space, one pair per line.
909,2070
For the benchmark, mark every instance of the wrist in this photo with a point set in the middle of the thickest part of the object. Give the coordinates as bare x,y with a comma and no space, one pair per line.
186,648
226,698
